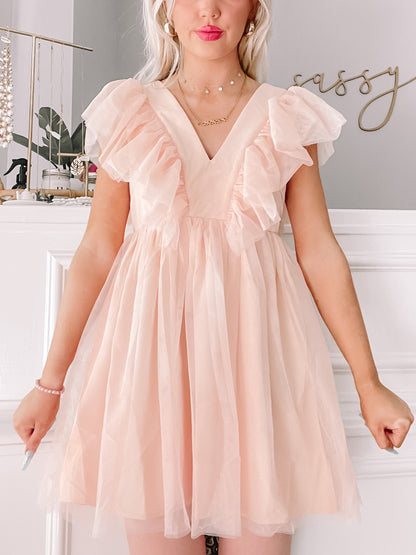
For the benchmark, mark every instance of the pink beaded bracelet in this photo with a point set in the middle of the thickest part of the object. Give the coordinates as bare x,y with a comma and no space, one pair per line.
54,391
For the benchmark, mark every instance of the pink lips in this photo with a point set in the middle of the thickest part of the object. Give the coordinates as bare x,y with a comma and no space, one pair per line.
209,32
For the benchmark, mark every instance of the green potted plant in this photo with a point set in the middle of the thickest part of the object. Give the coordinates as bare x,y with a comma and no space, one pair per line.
57,138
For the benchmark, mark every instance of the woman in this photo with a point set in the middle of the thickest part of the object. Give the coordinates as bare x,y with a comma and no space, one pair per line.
201,399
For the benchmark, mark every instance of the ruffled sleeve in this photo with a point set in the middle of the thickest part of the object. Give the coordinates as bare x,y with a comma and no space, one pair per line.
309,120
296,118
108,120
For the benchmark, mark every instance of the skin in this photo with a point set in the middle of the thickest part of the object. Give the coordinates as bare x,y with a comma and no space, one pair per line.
321,259
329,279
212,63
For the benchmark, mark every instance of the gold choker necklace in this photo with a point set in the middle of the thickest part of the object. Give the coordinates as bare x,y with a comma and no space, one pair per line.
214,121
207,90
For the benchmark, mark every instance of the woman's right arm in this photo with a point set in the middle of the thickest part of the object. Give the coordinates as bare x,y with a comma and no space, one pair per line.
87,273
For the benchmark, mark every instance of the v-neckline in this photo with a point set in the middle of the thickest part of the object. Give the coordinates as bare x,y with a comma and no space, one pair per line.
196,139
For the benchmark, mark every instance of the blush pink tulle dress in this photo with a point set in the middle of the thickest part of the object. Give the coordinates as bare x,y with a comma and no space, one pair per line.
201,399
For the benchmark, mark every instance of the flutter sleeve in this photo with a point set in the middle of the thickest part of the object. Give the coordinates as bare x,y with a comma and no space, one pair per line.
309,120
109,120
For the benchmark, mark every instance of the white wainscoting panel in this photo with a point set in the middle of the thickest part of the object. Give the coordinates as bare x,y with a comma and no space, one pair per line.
38,245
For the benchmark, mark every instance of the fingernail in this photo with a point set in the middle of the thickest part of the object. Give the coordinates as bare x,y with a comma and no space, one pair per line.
27,459
392,450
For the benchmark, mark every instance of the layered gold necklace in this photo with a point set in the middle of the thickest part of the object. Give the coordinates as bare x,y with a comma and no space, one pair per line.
214,121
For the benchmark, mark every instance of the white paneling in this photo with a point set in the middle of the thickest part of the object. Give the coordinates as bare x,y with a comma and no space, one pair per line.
380,247
56,269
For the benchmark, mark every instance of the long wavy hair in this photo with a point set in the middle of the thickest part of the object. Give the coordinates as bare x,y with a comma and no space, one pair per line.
164,54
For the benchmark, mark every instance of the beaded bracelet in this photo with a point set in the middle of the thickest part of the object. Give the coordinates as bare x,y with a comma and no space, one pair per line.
54,391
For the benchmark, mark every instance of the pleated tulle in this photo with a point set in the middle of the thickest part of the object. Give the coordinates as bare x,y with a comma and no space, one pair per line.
201,398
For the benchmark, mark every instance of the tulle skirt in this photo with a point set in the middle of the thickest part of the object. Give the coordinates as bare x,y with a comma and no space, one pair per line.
201,399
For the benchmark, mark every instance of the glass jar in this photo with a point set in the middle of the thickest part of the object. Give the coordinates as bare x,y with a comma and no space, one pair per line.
92,177
56,178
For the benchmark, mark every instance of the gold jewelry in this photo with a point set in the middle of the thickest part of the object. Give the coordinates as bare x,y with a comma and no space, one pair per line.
169,29
206,90
250,29
77,165
214,121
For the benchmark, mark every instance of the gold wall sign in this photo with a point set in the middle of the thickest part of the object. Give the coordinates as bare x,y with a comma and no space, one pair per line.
365,88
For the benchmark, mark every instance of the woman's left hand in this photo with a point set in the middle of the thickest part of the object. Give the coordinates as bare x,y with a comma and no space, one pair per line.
387,416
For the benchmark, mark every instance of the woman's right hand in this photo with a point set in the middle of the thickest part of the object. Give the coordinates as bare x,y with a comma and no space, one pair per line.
34,416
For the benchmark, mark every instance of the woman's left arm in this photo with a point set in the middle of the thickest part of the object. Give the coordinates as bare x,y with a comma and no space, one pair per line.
328,276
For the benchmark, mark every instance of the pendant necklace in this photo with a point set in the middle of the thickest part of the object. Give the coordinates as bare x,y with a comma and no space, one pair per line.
214,121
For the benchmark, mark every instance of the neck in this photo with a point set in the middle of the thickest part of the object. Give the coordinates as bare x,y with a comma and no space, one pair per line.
209,72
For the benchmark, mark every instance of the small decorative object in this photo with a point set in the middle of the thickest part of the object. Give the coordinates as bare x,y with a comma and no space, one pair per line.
55,179
92,178
21,176
44,198
18,192
77,166
77,201
51,122
6,94
48,390
23,197
207,90
9,104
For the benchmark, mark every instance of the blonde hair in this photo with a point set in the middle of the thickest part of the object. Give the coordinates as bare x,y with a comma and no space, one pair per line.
164,53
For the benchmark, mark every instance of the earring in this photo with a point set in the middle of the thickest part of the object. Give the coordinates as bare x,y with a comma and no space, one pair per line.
169,29
250,29
6,96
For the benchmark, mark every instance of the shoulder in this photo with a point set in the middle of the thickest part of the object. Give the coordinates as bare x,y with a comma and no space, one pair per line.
297,95
122,87
275,98
119,124
304,105
118,96
299,117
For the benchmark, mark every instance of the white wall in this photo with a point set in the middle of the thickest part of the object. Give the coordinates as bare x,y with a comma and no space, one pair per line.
115,36
371,169
54,20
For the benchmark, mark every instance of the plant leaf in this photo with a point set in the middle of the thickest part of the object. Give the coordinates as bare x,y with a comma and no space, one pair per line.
57,138
57,134
78,138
